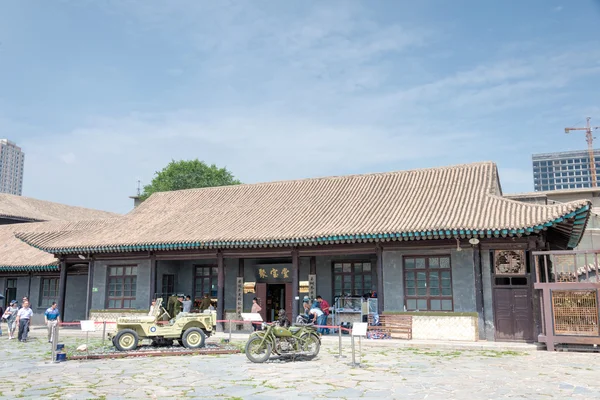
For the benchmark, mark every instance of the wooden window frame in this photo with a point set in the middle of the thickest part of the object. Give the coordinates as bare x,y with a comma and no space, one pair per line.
212,277
352,275
169,284
122,298
427,270
46,301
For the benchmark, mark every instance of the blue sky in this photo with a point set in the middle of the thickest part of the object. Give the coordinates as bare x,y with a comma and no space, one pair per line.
100,94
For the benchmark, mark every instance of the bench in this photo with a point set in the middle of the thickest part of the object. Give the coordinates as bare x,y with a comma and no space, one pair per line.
391,326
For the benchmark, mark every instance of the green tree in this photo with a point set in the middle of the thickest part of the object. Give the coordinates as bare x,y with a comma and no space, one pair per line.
188,175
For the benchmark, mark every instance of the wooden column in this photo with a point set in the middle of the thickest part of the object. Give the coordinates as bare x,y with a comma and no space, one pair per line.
62,289
220,289
90,284
479,303
153,272
313,265
295,282
379,252
240,268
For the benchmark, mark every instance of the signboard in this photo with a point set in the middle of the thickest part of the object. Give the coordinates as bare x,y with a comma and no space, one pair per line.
88,326
274,273
312,286
239,298
359,329
94,289
251,317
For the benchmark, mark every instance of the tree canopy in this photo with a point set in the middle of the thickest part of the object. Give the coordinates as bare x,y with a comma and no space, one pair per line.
190,174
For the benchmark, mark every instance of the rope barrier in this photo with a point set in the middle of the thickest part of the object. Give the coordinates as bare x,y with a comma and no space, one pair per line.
233,321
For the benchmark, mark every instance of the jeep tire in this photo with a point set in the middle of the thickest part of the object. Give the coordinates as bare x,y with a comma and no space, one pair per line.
126,340
193,338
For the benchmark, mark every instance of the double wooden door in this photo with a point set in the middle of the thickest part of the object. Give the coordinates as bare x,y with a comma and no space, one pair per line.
513,313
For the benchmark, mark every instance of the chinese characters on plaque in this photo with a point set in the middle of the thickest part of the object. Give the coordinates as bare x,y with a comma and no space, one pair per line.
239,303
312,286
272,273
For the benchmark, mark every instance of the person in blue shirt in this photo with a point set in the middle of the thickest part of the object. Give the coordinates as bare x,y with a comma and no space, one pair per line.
52,318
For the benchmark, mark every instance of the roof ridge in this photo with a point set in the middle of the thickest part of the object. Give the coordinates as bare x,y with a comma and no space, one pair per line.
337,177
19,198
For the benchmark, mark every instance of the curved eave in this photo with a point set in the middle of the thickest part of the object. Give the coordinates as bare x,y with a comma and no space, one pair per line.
576,219
30,268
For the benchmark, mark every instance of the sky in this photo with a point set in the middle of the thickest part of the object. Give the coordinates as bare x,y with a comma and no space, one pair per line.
101,94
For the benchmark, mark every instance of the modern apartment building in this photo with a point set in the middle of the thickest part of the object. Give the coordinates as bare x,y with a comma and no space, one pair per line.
564,170
12,160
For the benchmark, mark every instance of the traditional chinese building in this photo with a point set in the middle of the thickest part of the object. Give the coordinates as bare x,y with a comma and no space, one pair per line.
27,271
440,243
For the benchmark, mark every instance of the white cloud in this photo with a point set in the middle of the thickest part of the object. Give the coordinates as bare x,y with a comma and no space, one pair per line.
309,92
68,158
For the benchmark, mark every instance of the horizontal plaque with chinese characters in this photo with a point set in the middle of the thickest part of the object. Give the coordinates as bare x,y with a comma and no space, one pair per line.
274,273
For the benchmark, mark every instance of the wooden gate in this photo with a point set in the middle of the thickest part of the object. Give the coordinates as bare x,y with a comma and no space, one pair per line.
513,316
568,282
512,313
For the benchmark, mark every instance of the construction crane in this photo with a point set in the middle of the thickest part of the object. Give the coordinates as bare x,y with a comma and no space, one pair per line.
590,142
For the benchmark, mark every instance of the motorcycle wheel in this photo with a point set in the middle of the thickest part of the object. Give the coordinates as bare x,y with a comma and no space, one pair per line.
255,352
311,345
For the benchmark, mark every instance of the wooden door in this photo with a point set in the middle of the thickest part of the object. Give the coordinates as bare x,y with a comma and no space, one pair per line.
261,295
513,314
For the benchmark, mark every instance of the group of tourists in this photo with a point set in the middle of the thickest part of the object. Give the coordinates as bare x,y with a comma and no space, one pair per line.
20,318
316,312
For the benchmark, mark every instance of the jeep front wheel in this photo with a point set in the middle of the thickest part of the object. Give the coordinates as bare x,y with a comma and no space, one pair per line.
126,340
193,338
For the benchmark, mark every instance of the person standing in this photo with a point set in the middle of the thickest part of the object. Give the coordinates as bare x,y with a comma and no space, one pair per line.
52,319
256,308
23,318
187,304
325,308
205,303
11,318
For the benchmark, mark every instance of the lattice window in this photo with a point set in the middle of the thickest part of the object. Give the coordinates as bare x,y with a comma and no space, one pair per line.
575,312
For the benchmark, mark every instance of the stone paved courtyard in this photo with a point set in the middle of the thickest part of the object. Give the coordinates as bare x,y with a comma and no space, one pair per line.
386,372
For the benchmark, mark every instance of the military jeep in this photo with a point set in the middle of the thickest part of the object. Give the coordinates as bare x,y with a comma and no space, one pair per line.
189,329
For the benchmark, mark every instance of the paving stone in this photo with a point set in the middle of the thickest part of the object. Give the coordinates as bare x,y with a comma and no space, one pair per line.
385,372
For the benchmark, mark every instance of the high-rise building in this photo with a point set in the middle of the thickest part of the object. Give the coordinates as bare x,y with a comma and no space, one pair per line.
564,170
12,160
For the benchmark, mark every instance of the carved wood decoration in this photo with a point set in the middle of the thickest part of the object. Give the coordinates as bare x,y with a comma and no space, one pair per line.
509,262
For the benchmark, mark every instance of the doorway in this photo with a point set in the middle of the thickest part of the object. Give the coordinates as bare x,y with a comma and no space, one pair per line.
10,293
513,308
513,314
275,300
272,297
